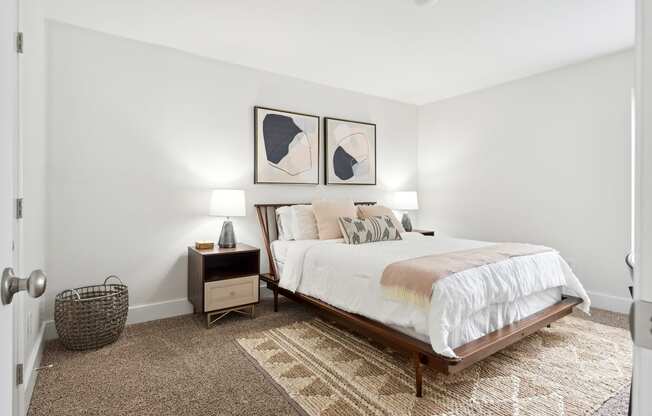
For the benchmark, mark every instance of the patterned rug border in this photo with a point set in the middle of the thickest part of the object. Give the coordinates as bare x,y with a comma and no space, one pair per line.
304,412
296,406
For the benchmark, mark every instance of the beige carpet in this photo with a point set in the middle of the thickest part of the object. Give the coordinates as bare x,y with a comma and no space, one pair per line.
178,367
570,369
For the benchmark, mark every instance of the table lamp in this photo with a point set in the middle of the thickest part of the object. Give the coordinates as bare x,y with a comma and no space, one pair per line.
227,203
406,201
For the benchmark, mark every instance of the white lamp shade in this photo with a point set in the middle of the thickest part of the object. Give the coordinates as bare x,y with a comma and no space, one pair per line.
406,201
227,203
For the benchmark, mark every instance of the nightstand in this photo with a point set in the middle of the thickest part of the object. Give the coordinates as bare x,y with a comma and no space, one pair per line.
223,280
429,233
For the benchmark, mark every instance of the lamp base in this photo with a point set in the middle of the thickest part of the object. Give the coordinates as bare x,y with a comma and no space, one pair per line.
405,221
227,236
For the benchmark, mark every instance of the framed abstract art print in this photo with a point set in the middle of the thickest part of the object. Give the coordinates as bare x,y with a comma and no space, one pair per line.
286,147
350,152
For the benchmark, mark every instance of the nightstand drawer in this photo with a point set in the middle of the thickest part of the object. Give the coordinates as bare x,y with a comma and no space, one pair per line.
228,293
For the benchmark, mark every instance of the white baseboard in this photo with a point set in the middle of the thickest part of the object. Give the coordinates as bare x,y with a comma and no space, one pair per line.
176,307
140,313
609,302
50,331
32,362
159,310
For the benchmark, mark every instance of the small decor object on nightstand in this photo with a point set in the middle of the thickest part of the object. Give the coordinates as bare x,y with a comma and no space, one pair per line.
204,245
406,201
227,203
223,280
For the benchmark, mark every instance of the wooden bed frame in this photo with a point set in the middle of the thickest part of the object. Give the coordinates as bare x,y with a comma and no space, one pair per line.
420,352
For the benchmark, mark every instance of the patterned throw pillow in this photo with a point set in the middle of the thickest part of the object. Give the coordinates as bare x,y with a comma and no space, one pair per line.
368,230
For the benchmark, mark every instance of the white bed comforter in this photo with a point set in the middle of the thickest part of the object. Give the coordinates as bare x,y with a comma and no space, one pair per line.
464,306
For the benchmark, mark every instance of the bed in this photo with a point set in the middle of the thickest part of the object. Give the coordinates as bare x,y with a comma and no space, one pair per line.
472,314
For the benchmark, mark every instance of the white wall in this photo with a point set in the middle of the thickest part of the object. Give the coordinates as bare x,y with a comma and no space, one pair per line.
540,160
139,134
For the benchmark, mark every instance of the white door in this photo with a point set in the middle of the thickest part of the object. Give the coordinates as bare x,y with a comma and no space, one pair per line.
8,140
642,384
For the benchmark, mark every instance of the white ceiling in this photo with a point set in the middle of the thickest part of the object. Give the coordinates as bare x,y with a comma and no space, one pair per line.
388,48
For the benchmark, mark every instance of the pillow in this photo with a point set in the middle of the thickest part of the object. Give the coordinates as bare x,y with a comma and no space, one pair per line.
366,211
284,223
304,226
327,214
368,230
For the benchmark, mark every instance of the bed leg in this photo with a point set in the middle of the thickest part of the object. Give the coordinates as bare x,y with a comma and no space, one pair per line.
275,300
418,375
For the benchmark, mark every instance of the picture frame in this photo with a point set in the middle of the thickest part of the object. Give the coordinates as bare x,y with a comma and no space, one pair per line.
350,152
286,147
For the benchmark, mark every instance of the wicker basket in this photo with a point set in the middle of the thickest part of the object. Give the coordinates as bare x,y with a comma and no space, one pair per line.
91,316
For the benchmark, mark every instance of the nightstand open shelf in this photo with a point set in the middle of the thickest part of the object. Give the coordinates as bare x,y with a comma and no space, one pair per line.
229,265
221,281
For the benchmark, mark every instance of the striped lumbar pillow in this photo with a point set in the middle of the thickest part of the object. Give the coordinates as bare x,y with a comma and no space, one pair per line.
368,230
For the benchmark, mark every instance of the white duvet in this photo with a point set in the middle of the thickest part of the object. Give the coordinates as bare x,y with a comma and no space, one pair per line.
464,306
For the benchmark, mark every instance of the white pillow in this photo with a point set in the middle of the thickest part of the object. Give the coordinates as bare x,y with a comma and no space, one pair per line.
284,223
304,224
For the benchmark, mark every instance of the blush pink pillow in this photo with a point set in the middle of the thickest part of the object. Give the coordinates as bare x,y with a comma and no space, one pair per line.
366,211
327,213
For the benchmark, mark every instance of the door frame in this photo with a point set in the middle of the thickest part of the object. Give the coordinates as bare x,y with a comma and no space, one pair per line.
642,379
19,407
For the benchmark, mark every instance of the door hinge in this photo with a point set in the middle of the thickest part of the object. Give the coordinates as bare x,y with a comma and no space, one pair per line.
19,374
19,42
19,208
640,324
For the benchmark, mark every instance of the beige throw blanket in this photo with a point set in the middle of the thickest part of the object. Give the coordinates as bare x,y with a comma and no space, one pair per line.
411,280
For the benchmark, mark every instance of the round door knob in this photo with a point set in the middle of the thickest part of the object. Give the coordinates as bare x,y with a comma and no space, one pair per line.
35,284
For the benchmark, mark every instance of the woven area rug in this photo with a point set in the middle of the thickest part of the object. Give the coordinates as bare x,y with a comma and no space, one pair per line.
569,369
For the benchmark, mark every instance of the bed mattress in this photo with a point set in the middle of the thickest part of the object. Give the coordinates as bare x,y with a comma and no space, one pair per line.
464,307
279,252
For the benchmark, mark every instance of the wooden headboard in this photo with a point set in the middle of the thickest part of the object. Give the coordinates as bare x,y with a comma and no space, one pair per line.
269,227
